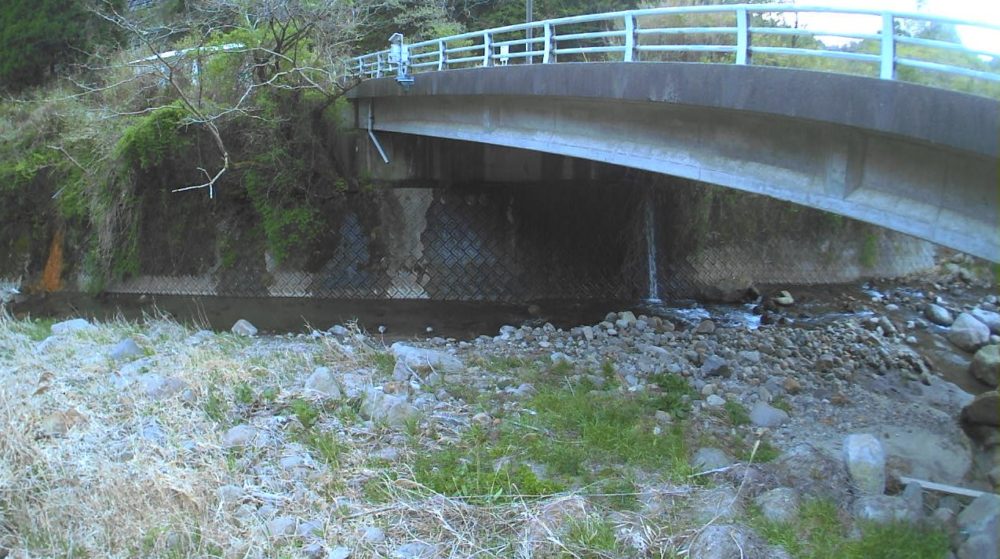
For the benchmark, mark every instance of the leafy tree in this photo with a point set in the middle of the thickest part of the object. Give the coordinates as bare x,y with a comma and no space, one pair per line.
36,36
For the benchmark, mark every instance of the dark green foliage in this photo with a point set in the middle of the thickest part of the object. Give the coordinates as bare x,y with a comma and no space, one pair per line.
38,35
153,137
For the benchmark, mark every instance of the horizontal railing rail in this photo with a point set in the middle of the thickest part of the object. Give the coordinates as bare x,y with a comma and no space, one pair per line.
740,34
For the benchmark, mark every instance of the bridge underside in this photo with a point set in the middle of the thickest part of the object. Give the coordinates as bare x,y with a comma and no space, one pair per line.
915,177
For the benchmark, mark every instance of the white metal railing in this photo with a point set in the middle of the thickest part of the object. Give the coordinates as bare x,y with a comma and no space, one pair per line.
737,34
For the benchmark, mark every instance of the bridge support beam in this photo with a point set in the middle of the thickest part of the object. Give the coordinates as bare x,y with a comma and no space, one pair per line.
941,193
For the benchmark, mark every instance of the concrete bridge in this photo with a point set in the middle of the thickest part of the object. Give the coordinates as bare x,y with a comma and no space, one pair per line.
918,160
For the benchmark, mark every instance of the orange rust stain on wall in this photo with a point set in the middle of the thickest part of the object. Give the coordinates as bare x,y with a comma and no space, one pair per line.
52,276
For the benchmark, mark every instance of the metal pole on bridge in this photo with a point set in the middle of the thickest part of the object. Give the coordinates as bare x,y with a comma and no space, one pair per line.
529,16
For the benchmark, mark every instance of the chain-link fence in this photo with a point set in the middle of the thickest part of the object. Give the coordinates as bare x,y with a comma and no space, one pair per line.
524,243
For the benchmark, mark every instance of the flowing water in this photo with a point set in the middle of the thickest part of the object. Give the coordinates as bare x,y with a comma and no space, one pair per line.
650,226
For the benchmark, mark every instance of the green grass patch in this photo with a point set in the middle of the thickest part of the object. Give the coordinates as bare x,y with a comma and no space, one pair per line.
384,362
305,412
782,404
216,407
571,429
821,532
474,469
592,537
324,446
36,328
614,491
766,452
737,413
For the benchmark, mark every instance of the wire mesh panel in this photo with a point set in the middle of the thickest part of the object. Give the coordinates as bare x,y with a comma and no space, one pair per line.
570,242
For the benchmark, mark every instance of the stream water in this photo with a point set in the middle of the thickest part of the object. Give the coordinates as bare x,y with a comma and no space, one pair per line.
815,307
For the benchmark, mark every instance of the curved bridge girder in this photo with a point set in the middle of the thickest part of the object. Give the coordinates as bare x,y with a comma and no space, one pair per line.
913,159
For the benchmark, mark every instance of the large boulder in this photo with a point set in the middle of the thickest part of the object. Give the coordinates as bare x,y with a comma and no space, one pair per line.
322,381
730,541
884,509
968,333
865,461
986,365
938,315
244,328
779,505
989,318
72,326
763,415
420,361
391,409
979,527
813,472
984,410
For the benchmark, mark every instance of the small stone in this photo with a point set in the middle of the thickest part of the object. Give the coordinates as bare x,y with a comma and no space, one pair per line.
883,509
791,385
125,349
989,318
158,387
938,315
865,461
968,333
709,458
705,327
913,494
281,526
339,553
825,362
724,541
373,535
779,505
719,503
986,365
983,410
763,415
230,495
321,380
982,519
338,330
715,401
391,409
715,366
72,326
240,435
588,333
312,550
783,299
310,528
560,357
978,546
662,417
414,550
244,328
423,361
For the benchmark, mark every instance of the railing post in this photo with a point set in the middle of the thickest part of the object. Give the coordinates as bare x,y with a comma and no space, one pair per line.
548,53
742,37
487,48
442,56
888,64
630,51
378,65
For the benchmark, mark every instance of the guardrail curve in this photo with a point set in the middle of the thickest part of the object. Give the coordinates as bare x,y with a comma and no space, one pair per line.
739,34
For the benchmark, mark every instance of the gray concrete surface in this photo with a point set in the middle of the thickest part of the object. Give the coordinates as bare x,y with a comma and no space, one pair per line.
913,159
